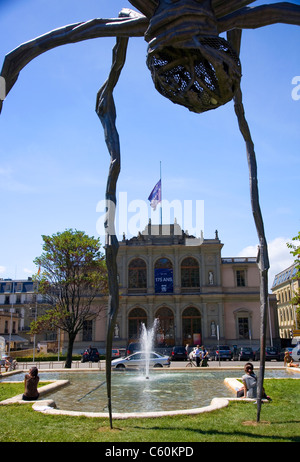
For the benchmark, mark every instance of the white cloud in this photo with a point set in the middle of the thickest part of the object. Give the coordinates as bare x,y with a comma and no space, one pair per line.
2,269
279,256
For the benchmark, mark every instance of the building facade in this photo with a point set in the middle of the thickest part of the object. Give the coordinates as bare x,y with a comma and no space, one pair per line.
20,305
284,288
18,302
196,295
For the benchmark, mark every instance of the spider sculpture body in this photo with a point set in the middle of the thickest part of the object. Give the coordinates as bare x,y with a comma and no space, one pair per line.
192,66
189,63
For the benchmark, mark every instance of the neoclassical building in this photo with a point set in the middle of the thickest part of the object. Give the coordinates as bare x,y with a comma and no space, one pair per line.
285,287
164,274
195,293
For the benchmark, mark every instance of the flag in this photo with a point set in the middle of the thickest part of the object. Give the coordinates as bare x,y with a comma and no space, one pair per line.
155,196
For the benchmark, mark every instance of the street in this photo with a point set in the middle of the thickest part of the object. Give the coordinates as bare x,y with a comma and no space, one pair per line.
173,365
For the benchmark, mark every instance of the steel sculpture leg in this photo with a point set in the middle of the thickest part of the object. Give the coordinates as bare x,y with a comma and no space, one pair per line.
106,111
263,260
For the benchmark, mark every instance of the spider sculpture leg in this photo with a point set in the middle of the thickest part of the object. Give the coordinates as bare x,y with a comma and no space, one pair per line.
234,37
128,24
106,111
260,16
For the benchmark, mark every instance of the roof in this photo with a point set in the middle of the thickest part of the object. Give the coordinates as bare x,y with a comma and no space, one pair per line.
17,286
285,275
14,338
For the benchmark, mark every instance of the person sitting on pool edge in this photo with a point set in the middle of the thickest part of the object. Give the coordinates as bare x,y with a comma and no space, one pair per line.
288,360
31,383
249,388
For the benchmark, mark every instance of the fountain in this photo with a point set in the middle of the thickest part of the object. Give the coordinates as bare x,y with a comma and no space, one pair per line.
147,344
166,390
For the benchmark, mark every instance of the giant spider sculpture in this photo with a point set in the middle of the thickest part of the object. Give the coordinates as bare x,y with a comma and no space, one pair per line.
192,66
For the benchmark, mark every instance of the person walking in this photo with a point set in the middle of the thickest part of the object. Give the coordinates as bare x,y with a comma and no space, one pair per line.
198,356
203,357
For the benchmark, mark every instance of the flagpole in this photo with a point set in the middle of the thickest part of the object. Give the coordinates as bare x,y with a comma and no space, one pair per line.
160,196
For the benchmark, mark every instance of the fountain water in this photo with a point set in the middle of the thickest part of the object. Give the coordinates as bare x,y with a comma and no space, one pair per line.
147,343
166,390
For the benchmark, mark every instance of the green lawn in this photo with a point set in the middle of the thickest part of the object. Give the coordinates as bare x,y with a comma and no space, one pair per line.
280,422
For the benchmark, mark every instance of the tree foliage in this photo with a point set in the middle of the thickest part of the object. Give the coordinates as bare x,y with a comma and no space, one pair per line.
72,277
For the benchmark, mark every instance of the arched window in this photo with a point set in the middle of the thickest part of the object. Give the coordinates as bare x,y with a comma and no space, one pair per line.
136,318
163,276
163,263
190,273
137,275
165,332
191,326
243,323
243,327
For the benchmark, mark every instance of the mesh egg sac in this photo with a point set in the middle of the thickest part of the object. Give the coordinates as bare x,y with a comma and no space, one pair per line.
201,78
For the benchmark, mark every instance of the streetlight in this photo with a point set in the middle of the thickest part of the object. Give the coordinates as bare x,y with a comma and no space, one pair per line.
11,313
34,336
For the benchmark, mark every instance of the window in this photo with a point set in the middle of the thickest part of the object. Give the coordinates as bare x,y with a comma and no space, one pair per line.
163,276
136,318
136,357
165,333
243,328
87,331
191,326
8,287
137,274
190,273
240,278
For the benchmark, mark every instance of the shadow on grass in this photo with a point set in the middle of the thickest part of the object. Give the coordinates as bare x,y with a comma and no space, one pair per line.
231,436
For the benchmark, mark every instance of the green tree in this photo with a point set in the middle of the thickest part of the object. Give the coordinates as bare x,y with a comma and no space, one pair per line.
295,251
72,277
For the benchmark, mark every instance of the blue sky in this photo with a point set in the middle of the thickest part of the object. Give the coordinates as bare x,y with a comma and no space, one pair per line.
54,161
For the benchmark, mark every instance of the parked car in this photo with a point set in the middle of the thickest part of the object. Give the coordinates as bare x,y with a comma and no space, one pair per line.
244,354
271,353
211,353
138,361
296,353
115,353
178,353
223,352
133,347
90,354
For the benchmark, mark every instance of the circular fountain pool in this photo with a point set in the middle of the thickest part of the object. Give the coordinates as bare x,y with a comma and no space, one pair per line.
132,392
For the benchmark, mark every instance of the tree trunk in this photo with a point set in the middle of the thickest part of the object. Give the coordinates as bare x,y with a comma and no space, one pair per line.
68,363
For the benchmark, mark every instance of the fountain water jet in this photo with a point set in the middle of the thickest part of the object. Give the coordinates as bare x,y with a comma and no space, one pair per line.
147,343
